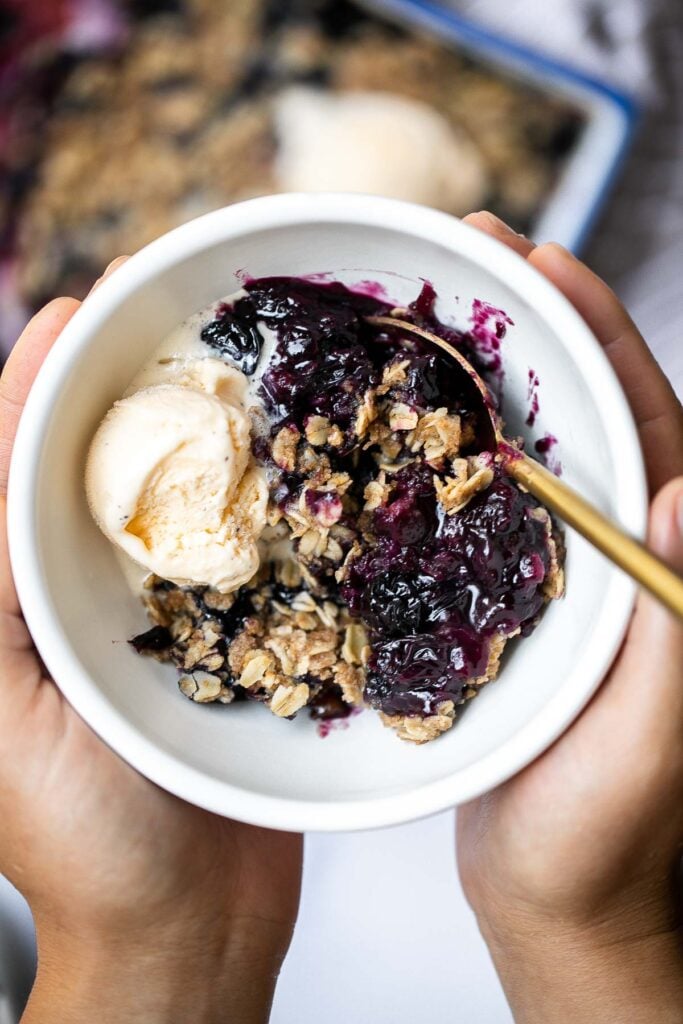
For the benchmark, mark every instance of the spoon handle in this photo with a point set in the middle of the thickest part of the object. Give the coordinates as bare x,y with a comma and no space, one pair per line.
629,554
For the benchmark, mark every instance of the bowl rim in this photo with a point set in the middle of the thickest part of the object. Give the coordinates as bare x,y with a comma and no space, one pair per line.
170,772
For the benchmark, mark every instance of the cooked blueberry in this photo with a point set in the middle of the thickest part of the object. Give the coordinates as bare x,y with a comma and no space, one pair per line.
422,387
321,364
328,704
234,333
413,675
392,605
403,521
158,638
416,481
232,619
503,556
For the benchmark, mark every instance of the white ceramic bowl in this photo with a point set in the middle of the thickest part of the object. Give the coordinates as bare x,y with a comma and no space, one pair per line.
240,761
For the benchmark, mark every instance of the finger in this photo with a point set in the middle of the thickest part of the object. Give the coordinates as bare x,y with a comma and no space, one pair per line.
15,384
648,676
657,411
497,228
21,669
9,602
114,265
18,659
20,371
653,626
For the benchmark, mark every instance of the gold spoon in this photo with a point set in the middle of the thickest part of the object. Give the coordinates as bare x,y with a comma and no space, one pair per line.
623,550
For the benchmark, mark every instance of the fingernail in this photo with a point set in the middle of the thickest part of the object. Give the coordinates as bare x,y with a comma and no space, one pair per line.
496,222
114,264
561,251
110,270
679,512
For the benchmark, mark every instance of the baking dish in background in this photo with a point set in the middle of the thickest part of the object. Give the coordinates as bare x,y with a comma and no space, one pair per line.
115,129
610,116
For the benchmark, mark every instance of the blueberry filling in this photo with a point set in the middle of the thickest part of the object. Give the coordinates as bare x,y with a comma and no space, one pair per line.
461,579
327,354
431,588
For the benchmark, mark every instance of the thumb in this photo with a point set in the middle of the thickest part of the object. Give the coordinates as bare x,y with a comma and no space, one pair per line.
653,654
665,536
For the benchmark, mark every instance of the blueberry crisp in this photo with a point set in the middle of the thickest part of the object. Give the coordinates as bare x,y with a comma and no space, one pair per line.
397,558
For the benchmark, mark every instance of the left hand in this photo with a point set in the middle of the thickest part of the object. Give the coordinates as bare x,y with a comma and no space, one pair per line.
146,907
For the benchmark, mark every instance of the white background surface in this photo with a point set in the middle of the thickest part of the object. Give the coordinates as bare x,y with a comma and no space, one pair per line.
384,934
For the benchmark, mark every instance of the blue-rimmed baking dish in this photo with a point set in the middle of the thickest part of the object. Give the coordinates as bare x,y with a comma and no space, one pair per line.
591,167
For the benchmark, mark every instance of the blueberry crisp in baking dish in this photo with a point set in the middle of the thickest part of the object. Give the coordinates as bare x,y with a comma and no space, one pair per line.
152,112
315,520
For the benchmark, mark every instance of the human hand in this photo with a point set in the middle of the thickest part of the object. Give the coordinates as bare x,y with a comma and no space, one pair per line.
572,866
146,907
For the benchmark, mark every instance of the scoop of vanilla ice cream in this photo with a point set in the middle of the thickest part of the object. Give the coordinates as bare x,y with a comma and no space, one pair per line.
377,143
169,478
202,374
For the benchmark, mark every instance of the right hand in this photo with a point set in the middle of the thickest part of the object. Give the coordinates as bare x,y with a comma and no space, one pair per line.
571,866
